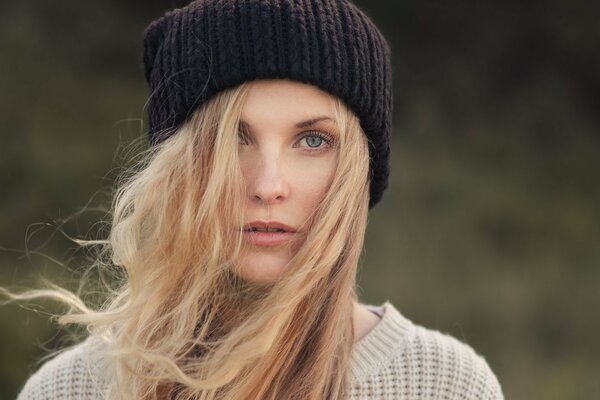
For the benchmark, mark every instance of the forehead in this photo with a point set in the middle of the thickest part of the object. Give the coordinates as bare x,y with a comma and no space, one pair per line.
279,100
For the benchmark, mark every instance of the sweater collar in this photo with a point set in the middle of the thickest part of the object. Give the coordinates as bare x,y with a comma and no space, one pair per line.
378,347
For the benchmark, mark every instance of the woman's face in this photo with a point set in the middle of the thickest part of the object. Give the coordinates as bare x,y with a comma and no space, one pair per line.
288,149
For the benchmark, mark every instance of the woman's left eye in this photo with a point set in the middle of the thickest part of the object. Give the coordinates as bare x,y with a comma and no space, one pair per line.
315,139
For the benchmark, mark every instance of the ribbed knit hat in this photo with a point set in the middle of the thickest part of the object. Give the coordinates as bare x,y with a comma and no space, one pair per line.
194,52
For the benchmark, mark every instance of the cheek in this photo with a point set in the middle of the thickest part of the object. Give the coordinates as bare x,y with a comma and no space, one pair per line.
311,179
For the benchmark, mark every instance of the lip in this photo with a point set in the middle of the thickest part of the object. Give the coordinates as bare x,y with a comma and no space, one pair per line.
269,224
268,238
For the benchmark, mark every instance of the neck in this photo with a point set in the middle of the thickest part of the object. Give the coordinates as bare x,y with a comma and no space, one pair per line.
363,321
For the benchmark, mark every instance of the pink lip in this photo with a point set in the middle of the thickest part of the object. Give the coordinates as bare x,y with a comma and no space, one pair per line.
269,224
268,238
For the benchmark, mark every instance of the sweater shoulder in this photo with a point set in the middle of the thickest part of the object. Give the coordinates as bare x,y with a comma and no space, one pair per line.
448,367
416,362
74,374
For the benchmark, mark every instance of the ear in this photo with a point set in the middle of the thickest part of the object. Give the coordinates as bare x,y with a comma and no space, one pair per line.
154,35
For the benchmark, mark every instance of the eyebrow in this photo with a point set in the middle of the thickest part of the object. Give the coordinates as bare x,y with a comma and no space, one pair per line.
302,124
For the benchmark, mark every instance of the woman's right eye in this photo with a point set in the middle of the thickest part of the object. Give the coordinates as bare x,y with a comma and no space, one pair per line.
242,138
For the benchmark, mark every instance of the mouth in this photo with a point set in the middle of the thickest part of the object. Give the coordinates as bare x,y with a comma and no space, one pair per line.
254,229
268,226
268,233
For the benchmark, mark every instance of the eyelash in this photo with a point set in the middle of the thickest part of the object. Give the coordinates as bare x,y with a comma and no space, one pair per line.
328,138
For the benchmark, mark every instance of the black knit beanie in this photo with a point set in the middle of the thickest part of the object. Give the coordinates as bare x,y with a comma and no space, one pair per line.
194,52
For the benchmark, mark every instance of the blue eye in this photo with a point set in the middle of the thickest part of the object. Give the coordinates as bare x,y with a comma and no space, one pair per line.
242,137
315,139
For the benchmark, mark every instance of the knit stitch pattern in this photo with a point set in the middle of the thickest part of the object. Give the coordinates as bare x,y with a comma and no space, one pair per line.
192,53
396,360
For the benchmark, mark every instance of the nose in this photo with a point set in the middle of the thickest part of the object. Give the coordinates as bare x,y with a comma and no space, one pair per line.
269,185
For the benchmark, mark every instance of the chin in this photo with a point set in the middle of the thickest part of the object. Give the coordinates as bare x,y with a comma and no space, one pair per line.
262,268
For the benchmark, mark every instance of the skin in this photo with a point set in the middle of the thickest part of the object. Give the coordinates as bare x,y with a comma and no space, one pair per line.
287,171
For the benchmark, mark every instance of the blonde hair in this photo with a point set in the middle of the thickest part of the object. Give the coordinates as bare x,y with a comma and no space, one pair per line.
181,323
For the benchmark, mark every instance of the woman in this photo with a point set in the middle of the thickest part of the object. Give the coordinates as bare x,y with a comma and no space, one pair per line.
240,233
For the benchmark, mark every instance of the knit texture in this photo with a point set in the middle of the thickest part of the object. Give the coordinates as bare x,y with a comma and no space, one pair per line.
396,360
194,52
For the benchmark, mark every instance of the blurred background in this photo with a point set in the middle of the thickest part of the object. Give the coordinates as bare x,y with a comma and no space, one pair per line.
489,230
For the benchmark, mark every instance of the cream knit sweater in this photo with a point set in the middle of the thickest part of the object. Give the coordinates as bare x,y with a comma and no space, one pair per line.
396,360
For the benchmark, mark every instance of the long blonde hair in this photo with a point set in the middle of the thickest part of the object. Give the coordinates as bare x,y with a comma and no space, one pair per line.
181,323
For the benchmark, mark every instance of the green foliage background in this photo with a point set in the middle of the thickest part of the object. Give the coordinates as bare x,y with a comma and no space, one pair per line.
489,230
